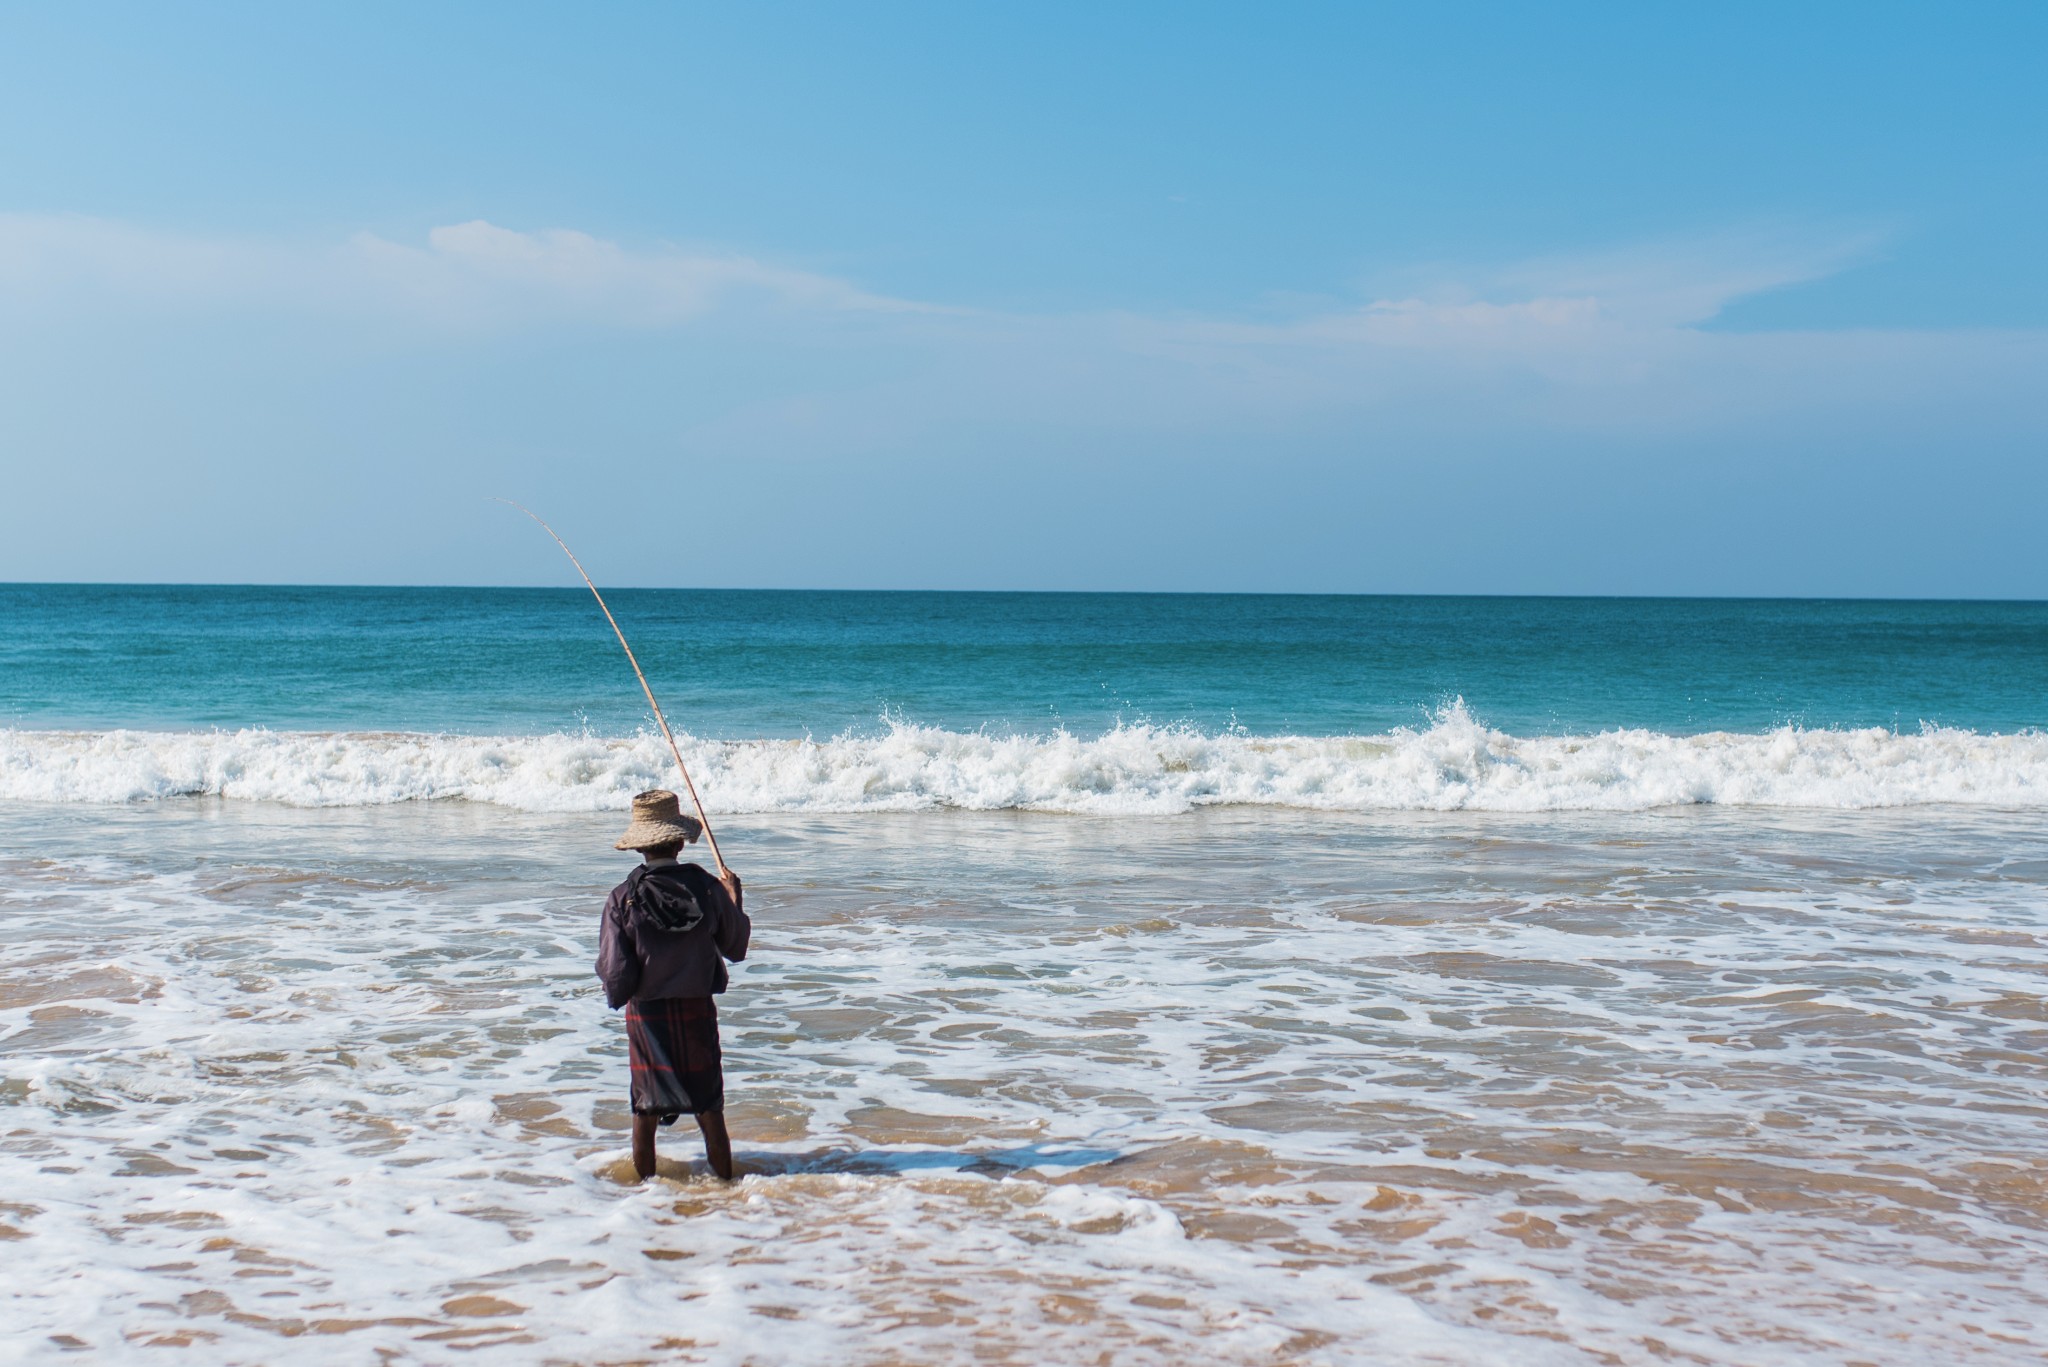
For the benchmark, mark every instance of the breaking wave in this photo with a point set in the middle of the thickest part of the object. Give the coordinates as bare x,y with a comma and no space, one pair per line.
1455,764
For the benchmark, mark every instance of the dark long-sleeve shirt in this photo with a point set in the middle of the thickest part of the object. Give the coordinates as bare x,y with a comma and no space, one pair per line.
638,960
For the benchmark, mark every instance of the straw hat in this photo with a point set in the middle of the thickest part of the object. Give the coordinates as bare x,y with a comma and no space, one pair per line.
658,820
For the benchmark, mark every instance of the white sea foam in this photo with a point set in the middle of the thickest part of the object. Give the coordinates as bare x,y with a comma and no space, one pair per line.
1456,764
1756,1088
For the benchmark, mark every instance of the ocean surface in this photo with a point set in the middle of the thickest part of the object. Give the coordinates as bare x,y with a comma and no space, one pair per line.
1146,979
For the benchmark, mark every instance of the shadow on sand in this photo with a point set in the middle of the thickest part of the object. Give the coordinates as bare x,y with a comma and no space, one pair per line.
869,1163
881,1162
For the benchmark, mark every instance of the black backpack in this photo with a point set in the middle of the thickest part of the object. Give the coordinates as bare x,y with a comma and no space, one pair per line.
665,903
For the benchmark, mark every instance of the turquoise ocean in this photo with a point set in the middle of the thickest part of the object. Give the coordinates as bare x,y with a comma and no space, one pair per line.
913,700
1137,979
737,665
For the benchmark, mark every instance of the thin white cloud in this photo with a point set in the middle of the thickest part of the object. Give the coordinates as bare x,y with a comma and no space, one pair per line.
1685,281
480,270
1610,301
1603,341
44,256
481,266
464,273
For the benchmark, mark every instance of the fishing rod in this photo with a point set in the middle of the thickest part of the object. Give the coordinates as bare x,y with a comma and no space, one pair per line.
673,748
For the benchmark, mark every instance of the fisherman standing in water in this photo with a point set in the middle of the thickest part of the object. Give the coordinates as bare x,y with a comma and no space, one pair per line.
667,932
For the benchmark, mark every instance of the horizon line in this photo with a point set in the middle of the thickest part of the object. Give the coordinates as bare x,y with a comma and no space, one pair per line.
1072,593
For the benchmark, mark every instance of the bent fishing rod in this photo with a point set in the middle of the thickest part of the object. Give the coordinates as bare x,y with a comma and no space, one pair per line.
662,721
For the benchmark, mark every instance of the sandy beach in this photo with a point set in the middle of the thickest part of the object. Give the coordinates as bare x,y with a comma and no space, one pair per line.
1246,1087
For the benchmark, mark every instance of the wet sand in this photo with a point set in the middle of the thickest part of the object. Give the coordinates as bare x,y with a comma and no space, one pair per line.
1689,1085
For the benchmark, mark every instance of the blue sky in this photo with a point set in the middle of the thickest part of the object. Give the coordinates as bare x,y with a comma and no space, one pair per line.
1491,298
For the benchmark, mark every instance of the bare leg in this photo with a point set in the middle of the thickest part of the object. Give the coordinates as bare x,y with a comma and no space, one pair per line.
643,1144
717,1146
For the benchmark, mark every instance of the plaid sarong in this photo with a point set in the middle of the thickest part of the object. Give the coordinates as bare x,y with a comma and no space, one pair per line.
673,1045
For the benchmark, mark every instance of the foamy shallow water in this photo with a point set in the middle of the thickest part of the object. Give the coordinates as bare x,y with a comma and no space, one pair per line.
1693,1085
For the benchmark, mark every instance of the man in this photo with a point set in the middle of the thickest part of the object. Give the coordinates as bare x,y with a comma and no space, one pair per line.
661,952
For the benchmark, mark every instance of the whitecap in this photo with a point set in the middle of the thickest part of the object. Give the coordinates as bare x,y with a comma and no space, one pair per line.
1455,764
